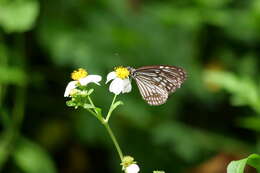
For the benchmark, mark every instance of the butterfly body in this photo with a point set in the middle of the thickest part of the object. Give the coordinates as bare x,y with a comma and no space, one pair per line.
155,83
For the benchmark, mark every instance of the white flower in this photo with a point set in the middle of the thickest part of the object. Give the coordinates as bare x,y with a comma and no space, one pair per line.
81,77
133,168
121,82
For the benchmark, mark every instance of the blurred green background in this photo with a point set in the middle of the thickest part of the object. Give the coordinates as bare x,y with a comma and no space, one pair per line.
213,119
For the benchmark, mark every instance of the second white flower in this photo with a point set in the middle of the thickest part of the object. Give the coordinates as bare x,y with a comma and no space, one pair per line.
121,82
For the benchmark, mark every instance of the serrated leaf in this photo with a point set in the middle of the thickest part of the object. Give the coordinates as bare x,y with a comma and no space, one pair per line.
31,158
239,165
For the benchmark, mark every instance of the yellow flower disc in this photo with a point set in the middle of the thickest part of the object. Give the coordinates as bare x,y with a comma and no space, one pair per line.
78,74
122,72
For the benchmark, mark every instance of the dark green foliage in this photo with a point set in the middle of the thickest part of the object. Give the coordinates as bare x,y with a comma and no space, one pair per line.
42,42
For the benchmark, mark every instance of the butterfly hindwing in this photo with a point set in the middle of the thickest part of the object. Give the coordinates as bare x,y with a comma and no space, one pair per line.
153,94
155,83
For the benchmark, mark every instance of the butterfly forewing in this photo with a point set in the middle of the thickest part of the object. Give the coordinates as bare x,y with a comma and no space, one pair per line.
157,82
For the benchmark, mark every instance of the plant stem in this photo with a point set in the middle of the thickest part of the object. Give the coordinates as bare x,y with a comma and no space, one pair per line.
91,102
105,123
110,110
112,136
96,115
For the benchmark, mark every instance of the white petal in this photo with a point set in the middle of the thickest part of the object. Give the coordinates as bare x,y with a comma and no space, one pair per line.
71,85
90,78
133,168
127,86
116,86
110,76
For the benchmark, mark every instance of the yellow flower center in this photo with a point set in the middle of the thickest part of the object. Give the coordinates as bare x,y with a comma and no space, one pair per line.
122,72
78,74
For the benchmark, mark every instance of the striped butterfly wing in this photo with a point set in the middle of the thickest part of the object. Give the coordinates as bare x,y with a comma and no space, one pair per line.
153,94
155,83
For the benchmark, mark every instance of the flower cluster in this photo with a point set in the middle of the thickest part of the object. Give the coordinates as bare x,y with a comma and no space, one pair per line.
120,84
80,77
79,93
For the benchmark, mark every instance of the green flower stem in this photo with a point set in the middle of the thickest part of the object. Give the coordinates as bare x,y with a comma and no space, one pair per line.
99,117
91,102
105,123
112,136
110,109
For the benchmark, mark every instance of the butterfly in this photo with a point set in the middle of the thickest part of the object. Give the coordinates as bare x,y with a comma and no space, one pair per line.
155,83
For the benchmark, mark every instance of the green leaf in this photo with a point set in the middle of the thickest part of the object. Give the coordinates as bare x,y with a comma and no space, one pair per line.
12,75
18,15
98,110
70,103
239,165
90,91
31,158
237,86
88,106
254,161
250,122
158,172
114,106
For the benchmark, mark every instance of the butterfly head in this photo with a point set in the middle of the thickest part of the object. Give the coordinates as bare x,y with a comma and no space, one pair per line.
131,70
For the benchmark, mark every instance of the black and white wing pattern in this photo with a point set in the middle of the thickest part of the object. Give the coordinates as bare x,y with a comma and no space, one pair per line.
152,93
155,83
